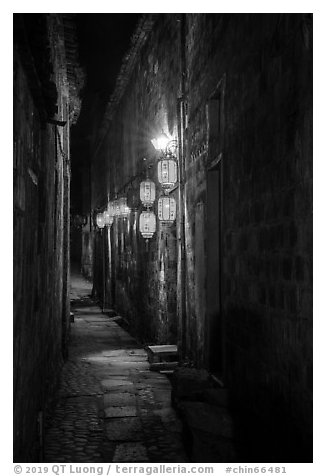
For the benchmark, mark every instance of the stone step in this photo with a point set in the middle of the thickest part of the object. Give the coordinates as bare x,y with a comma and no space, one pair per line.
159,353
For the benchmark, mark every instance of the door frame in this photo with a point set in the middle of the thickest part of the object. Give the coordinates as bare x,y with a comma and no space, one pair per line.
215,161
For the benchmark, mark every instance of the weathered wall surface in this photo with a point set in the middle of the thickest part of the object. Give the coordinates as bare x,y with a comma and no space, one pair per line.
41,221
87,253
265,65
144,280
248,208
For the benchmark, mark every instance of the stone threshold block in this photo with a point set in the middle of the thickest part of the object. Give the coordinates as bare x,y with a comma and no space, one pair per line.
162,353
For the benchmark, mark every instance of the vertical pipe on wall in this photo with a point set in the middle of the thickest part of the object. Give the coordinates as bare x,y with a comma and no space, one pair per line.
181,116
68,224
109,277
103,270
90,192
93,237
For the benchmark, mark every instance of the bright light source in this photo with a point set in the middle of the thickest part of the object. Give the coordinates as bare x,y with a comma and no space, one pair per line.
108,215
116,208
100,220
124,209
160,142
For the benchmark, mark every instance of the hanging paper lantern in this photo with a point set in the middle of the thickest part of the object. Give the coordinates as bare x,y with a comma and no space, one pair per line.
167,171
123,207
100,220
111,208
147,192
116,208
166,209
108,215
147,224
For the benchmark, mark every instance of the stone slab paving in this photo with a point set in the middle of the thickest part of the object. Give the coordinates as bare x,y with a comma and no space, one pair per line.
109,405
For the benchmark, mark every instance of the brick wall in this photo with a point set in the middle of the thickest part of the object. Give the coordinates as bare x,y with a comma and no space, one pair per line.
266,66
41,235
143,279
248,186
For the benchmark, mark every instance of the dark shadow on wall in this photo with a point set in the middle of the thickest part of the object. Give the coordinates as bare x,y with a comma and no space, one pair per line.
269,424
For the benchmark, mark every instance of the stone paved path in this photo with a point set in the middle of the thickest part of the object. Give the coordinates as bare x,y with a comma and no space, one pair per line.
109,406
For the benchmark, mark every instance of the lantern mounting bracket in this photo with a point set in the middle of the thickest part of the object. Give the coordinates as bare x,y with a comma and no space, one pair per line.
170,190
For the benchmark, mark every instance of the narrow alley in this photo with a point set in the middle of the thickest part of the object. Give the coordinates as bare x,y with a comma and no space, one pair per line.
110,406
163,237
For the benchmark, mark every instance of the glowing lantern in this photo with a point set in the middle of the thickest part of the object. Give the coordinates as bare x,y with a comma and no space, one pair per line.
147,224
123,207
161,141
167,209
111,208
100,220
147,193
167,171
116,208
108,215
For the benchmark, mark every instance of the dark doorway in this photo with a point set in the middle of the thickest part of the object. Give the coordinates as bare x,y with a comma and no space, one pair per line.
215,326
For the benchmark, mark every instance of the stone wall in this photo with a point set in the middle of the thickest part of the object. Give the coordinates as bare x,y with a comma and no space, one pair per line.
41,225
262,67
248,208
143,277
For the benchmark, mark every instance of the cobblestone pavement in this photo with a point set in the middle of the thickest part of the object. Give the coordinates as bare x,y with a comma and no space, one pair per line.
109,406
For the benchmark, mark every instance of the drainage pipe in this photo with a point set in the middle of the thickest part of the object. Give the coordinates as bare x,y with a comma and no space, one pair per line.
181,117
